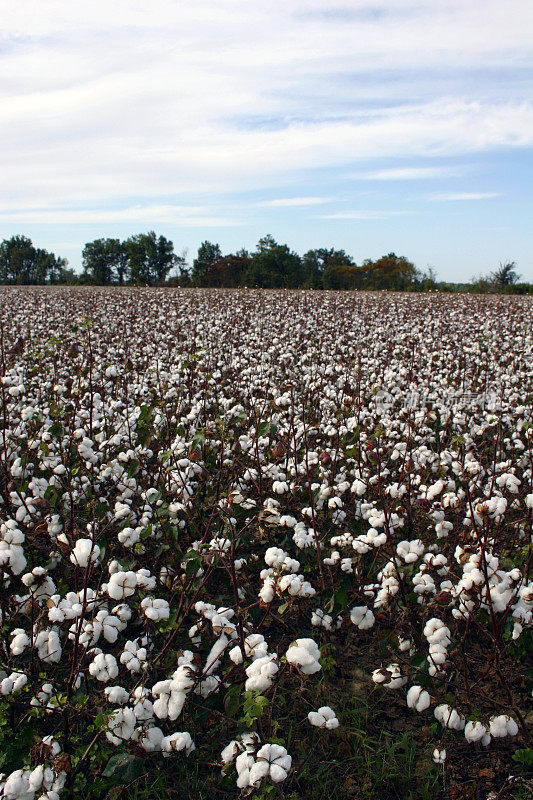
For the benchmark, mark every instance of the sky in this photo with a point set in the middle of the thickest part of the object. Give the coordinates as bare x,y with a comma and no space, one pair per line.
401,125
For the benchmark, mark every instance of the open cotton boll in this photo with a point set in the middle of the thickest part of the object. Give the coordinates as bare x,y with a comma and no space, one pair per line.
179,742
261,673
475,731
449,717
104,667
304,654
502,725
116,695
84,552
273,761
134,656
155,608
325,717
48,646
121,585
362,617
151,740
390,677
439,756
255,647
121,726
418,698
20,642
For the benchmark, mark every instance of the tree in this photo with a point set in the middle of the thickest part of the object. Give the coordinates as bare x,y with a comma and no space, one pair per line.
505,275
390,272
274,265
105,261
329,269
22,263
204,266
150,258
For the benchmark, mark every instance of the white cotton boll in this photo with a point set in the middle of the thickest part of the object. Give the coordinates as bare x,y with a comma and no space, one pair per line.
20,642
305,654
17,786
529,500
474,731
362,617
121,585
179,742
104,667
116,695
255,647
449,717
48,646
439,756
418,698
278,763
268,590
155,608
261,673
152,740
134,656
84,552
325,717
502,725
121,726
129,537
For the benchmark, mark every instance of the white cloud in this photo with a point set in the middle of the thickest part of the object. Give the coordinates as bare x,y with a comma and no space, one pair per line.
411,173
104,102
287,202
363,215
446,196
180,216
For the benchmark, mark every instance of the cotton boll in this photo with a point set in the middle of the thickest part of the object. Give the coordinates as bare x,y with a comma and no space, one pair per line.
121,585
418,698
104,667
502,725
261,673
116,695
305,654
48,646
325,717
177,743
362,617
449,717
155,609
121,726
439,756
474,731
20,642
85,552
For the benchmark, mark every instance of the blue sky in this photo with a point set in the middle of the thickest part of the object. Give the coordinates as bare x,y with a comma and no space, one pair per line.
372,127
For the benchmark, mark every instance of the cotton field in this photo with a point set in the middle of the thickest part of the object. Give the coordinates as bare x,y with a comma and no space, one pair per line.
245,535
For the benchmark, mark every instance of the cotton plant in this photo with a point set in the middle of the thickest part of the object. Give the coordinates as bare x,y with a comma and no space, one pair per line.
182,512
325,718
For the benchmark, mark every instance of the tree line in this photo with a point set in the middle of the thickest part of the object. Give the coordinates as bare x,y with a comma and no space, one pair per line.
146,259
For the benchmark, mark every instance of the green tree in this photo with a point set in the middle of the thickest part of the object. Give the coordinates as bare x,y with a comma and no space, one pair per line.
105,261
150,258
274,265
205,270
390,272
505,275
329,269
22,263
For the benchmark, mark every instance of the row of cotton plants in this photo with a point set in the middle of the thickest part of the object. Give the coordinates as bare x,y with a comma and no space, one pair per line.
203,493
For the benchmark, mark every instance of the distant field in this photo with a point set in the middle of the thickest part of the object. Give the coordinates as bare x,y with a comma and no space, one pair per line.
275,543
